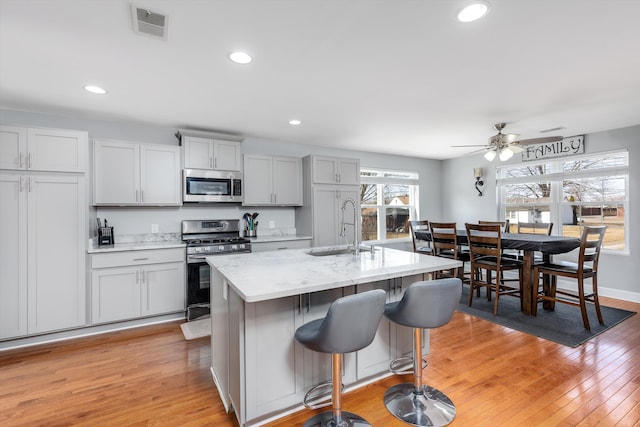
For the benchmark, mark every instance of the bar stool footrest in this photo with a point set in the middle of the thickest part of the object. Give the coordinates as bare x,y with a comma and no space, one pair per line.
425,406
404,365
320,395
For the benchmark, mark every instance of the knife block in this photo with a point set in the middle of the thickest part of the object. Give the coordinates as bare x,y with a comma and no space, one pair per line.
105,236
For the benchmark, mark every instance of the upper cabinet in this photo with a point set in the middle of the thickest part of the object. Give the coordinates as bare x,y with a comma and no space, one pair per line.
209,151
335,170
272,181
36,149
136,174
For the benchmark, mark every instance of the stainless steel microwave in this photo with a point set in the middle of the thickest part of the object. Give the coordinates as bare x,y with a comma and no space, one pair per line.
207,186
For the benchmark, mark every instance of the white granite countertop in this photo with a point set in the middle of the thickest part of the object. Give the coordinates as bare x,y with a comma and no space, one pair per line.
277,238
268,275
138,242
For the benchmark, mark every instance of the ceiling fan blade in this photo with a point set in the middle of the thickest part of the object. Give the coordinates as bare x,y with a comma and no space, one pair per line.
539,140
475,145
509,137
516,148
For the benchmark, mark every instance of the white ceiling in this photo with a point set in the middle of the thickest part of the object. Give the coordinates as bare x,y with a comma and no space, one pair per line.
388,76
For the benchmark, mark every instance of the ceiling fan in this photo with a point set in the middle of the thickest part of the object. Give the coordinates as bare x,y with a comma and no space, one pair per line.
504,145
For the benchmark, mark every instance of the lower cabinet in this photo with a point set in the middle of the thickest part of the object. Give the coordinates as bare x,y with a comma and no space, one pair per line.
152,284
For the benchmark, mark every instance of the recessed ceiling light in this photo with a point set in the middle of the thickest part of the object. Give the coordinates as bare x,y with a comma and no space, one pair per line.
473,11
95,89
240,58
295,122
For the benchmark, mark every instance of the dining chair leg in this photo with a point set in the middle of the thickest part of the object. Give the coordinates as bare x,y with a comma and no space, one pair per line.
497,287
596,300
583,305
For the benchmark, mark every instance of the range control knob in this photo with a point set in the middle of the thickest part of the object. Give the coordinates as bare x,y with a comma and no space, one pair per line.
221,248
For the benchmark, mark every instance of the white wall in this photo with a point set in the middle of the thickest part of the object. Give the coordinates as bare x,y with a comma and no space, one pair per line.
618,276
139,220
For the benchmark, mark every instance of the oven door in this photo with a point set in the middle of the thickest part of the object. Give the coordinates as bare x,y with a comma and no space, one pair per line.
198,284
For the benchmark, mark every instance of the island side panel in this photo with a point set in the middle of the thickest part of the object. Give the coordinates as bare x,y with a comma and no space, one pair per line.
220,336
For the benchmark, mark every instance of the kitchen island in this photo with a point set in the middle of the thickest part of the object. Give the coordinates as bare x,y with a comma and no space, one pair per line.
258,300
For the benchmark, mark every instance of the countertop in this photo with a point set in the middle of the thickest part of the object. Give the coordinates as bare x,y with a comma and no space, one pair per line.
135,246
262,276
277,238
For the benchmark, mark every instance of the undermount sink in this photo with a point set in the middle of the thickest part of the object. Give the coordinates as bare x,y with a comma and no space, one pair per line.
341,251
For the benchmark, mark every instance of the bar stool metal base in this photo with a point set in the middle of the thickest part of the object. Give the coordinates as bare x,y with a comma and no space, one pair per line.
326,419
429,407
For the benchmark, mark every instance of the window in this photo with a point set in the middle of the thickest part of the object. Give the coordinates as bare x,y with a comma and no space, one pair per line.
388,201
584,190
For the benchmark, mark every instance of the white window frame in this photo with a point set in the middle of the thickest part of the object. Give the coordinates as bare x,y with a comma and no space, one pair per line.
556,176
380,181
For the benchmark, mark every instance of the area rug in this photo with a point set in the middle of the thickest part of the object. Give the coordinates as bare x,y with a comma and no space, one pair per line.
196,329
563,325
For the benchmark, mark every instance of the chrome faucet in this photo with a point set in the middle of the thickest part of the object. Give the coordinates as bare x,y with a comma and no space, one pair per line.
343,231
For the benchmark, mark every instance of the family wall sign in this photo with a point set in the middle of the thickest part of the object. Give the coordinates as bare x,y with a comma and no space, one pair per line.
566,147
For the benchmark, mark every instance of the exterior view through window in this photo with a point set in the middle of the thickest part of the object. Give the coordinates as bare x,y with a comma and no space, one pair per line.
388,200
571,192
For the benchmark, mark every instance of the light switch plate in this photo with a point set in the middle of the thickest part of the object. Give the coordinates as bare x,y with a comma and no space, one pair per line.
272,224
154,228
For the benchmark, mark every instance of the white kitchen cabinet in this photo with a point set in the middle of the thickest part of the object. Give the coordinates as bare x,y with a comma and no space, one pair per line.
132,284
42,285
40,149
136,174
321,212
202,152
335,170
272,180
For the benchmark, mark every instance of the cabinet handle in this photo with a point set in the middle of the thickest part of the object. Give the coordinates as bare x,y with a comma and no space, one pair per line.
30,184
215,163
137,277
275,198
339,178
20,161
141,195
140,259
300,304
29,160
136,195
308,303
21,184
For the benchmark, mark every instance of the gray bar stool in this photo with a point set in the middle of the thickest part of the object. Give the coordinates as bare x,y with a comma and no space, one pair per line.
350,325
428,304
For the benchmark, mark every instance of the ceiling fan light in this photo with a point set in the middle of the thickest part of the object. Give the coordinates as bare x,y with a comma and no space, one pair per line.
490,155
473,11
505,154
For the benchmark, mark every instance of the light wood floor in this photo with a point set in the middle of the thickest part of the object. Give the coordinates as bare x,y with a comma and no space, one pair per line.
495,377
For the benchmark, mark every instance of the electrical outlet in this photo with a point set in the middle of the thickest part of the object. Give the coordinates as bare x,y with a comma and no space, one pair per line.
272,224
154,228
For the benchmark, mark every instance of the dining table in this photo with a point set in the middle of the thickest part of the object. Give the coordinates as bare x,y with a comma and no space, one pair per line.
528,244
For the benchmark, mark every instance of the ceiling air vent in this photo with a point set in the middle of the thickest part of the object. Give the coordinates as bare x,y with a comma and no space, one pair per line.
148,22
552,129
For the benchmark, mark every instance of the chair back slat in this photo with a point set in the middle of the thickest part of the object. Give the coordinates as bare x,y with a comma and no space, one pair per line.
535,228
444,237
505,224
416,226
484,240
590,245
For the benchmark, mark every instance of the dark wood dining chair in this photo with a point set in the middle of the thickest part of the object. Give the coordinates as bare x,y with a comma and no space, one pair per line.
505,224
486,254
586,267
444,238
420,246
535,228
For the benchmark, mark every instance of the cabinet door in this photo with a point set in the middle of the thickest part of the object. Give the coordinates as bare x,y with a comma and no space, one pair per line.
115,294
160,175
375,358
325,215
198,152
348,171
325,170
257,180
13,147
56,150
270,327
116,173
163,288
56,259
226,155
287,181
13,256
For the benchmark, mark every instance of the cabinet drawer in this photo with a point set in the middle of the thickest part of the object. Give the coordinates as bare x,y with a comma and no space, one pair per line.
150,256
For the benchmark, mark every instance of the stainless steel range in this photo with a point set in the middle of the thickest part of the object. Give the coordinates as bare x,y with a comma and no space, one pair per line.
207,238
